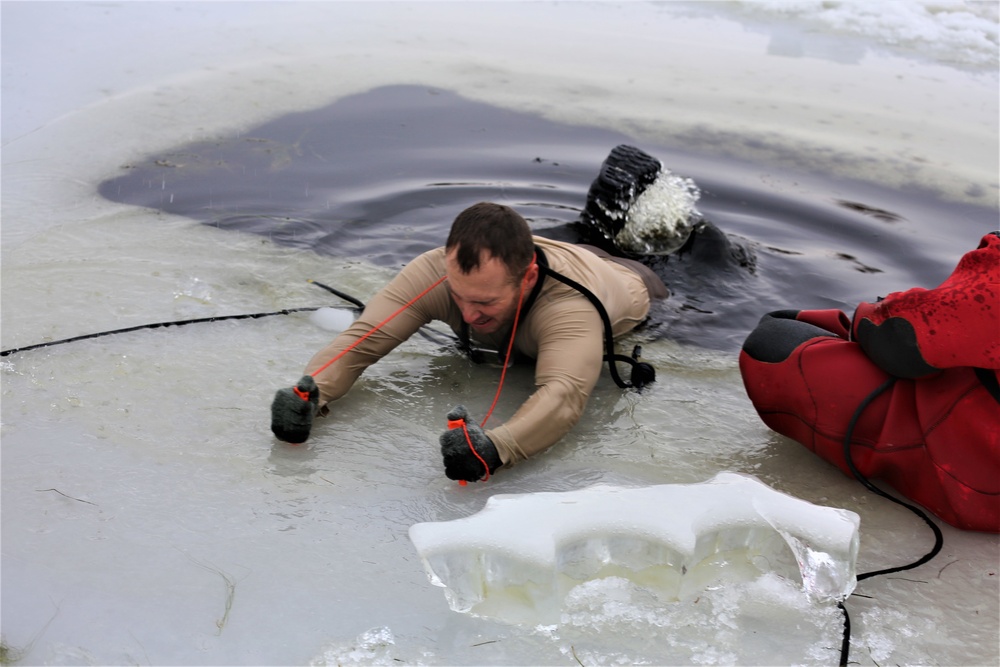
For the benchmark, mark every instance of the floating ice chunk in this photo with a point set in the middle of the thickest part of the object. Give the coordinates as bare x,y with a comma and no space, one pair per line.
660,219
521,554
332,319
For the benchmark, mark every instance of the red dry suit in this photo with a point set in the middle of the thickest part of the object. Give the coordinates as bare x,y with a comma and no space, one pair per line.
934,434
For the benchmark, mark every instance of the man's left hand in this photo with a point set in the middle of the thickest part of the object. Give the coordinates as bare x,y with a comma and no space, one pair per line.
460,462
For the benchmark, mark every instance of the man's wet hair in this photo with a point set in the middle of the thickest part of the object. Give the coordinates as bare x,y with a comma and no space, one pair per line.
497,229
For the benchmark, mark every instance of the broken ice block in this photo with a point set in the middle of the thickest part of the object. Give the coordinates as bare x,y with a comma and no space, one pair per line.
521,554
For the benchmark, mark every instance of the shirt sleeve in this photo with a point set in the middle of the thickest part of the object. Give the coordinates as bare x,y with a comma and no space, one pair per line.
570,352
398,321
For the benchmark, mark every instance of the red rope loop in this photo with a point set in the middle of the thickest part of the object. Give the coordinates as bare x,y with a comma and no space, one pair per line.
460,423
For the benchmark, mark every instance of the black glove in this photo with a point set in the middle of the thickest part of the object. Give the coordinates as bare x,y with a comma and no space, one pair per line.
459,461
291,414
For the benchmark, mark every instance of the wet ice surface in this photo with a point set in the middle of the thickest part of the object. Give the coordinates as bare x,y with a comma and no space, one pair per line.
148,516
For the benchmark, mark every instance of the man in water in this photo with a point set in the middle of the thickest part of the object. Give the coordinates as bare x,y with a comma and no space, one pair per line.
492,279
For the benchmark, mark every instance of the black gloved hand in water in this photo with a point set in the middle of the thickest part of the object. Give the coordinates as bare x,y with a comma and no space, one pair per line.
459,461
292,411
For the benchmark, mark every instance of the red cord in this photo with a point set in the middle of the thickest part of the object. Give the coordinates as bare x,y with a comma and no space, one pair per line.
378,326
460,423
510,346
503,375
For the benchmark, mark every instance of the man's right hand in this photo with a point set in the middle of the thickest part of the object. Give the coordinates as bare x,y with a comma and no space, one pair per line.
292,411
461,462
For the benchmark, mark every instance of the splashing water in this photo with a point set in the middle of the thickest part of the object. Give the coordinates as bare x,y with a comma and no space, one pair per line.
661,218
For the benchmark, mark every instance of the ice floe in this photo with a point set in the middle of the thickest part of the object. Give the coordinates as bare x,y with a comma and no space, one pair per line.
521,555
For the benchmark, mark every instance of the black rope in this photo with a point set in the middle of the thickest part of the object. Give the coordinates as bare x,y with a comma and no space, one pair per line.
154,325
342,295
200,320
434,336
845,645
845,642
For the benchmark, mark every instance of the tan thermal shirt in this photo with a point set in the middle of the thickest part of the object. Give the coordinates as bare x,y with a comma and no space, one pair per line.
562,332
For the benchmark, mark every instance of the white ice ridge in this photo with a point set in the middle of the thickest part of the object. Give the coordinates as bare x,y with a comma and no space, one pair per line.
519,556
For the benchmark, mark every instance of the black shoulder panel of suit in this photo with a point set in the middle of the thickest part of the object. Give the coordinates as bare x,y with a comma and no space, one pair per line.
778,334
893,346
989,379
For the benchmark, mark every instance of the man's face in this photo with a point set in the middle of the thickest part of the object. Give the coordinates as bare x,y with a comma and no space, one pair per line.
487,295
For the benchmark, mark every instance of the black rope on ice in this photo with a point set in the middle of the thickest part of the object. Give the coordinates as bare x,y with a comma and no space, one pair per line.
154,325
845,646
200,320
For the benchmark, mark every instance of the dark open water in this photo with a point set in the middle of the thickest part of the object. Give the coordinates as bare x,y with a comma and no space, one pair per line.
379,176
